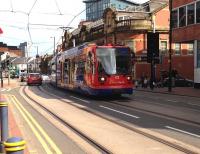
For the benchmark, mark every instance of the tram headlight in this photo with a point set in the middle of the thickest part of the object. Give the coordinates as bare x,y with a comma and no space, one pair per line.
102,79
128,78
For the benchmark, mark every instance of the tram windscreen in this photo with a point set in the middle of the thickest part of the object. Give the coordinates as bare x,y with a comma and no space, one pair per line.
114,60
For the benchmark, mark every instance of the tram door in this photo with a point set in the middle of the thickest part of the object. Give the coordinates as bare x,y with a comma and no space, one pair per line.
69,71
72,71
66,71
62,72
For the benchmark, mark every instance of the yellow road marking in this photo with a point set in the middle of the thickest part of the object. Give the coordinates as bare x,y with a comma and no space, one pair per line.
45,146
47,138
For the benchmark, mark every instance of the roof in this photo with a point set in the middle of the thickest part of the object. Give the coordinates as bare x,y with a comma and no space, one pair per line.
19,60
126,1
154,5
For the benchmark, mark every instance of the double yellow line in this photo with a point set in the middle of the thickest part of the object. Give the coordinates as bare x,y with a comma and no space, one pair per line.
46,142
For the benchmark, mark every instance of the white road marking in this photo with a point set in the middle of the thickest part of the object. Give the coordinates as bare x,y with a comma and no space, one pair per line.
172,101
80,99
8,89
182,131
193,104
120,112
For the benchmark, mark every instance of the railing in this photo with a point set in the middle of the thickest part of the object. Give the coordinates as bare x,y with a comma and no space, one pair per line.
134,24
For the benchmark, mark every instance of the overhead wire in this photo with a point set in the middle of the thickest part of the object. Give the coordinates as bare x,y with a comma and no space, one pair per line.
11,5
30,24
32,7
58,7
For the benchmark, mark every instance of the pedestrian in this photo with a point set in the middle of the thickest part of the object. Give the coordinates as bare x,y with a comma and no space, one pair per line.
145,82
174,74
142,80
136,83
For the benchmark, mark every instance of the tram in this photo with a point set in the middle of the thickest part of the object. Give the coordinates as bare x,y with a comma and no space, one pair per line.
94,70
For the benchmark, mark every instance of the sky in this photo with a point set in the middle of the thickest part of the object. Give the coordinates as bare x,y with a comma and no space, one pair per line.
37,22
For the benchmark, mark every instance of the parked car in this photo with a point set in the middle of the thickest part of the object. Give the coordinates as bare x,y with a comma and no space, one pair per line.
179,82
34,78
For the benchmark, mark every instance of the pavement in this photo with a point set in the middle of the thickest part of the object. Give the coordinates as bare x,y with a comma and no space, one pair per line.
182,91
14,130
12,83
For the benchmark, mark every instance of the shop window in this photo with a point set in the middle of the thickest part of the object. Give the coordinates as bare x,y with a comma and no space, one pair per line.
175,19
190,49
130,44
198,54
182,16
177,49
190,14
198,12
163,47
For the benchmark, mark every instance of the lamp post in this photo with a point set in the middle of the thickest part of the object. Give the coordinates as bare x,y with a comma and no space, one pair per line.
170,48
55,54
37,56
1,70
54,45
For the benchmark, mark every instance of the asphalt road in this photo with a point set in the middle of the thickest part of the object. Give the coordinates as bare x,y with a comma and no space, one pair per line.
179,130
169,105
61,140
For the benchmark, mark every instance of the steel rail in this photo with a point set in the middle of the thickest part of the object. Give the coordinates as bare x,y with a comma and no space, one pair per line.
92,142
148,135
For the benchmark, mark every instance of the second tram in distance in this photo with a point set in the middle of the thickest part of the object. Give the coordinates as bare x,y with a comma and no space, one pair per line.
94,70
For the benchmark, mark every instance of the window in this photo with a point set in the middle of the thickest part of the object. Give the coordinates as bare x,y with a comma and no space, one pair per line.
198,12
198,54
177,49
126,17
190,14
130,44
163,47
175,19
182,17
121,18
190,49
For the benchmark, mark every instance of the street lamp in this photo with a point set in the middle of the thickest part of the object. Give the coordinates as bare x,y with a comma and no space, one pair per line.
170,48
1,53
54,46
37,56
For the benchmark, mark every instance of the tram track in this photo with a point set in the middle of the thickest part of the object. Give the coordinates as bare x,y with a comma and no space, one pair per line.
149,111
89,140
146,134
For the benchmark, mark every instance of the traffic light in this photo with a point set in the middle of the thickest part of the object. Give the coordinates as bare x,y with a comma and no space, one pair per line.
152,46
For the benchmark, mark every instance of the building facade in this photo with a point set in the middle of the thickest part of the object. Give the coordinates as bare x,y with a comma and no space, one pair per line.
128,27
186,30
13,51
95,8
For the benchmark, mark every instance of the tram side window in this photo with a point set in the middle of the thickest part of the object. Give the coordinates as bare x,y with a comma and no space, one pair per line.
66,67
90,63
65,71
80,70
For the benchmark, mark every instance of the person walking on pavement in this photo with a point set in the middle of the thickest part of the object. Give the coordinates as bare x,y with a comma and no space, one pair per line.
145,82
174,75
142,80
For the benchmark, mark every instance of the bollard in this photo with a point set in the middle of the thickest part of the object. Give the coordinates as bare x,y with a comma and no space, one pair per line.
3,121
14,145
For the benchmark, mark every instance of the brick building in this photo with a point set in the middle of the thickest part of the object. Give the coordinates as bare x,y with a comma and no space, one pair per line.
130,27
13,51
186,30
127,27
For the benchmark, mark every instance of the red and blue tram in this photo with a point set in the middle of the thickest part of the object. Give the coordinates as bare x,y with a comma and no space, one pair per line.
94,70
